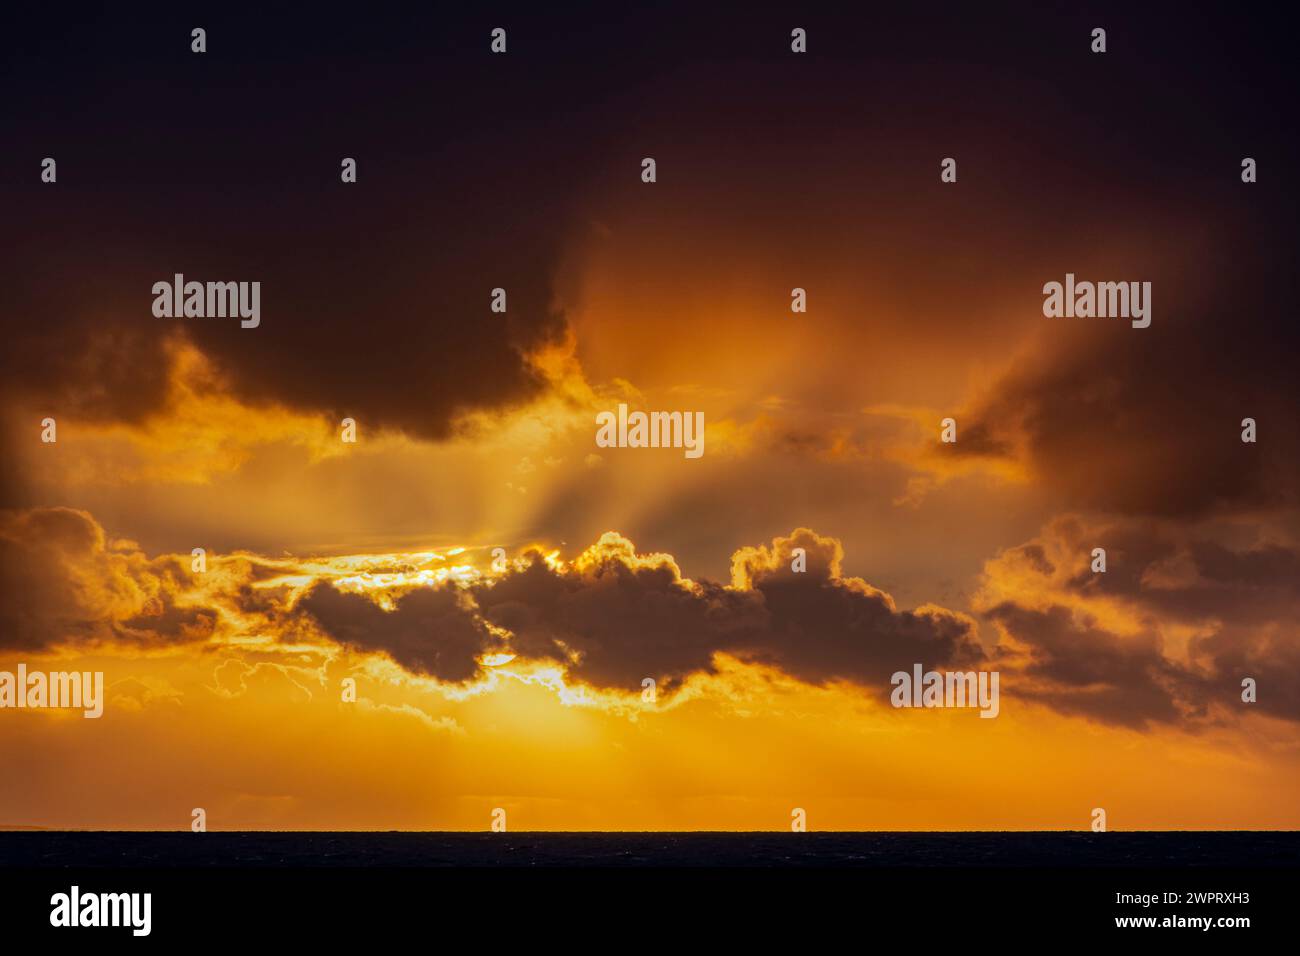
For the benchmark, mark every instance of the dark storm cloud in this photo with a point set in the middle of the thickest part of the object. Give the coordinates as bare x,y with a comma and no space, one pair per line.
63,583
1105,429
1239,603
429,631
1177,574
617,620
1148,421
614,624
1076,667
821,625
1269,655
612,619
225,166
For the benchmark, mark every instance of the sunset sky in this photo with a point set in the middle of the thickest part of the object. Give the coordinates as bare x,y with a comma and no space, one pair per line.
520,687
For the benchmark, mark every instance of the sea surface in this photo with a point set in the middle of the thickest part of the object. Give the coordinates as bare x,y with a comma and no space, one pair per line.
442,849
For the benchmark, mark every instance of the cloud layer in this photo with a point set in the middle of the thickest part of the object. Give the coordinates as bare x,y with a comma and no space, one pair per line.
1165,635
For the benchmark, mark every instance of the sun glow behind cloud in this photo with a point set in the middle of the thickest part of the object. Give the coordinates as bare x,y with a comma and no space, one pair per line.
726,747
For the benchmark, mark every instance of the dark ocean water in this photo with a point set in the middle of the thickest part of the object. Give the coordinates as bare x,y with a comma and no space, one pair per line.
875,850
